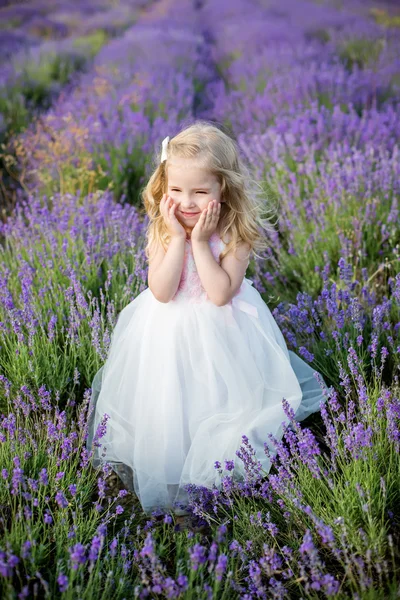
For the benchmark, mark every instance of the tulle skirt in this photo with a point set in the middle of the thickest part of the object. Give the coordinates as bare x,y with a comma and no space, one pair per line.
183,382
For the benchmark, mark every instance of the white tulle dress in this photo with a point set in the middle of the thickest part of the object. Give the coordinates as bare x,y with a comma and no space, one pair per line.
184,380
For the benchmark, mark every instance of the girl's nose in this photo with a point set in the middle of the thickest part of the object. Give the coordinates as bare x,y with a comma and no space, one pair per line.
187,205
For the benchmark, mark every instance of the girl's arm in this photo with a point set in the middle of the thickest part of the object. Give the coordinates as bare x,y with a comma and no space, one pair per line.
221,282
165,269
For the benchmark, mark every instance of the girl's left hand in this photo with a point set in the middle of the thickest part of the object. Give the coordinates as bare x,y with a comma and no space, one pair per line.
207,223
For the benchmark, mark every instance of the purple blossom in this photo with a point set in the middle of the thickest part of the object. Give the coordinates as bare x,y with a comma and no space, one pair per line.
77,555
61,499
95,548
62,581
197,555
221,566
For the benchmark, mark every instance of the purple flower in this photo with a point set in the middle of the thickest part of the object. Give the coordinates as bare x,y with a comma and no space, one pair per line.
61,499
168,519
77,555
113,547
95,547
182,581
197,556
43,476
18,479
48,519
62,581
7,563
221,566
26,549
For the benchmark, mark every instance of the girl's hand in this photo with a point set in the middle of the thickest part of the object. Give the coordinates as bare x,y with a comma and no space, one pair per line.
207,223
167,209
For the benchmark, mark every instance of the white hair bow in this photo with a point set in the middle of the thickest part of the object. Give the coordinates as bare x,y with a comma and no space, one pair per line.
164,149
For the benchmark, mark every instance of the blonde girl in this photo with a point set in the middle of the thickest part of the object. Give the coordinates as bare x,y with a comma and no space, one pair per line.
197,360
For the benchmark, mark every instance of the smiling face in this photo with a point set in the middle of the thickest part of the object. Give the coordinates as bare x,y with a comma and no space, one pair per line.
192,188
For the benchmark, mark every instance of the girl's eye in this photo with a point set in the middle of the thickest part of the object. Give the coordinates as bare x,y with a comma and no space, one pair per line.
198,192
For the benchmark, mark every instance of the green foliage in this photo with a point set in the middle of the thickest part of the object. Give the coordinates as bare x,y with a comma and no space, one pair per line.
14,112
10,23
319,34
361,52
223,65
34,89
123,172
382,17
38,82
92,43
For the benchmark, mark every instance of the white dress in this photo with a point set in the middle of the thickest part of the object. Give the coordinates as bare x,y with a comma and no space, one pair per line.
184,380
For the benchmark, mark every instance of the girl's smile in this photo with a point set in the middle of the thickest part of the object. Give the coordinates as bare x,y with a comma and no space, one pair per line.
190,215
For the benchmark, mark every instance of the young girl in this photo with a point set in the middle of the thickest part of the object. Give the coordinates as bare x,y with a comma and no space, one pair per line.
196,360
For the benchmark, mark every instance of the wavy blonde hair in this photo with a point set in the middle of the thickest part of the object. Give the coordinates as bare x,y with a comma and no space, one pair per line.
243,199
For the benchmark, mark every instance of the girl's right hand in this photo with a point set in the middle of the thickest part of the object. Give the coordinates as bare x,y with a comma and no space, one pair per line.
167,209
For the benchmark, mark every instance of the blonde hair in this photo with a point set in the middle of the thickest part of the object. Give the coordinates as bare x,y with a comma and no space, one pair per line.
244,199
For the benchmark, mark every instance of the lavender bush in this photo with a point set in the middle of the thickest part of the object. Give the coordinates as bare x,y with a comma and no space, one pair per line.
102,135
45,46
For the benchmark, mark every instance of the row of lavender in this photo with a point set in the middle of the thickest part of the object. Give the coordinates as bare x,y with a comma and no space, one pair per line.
44,45
296,86
101,135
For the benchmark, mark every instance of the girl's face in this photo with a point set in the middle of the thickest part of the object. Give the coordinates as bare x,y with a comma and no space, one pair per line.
191,188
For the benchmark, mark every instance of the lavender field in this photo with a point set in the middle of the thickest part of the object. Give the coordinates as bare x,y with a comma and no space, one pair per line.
311,91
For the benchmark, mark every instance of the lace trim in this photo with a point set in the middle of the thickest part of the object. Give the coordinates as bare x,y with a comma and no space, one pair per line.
190,286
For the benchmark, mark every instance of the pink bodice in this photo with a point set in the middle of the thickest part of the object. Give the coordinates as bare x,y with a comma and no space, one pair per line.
190,286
